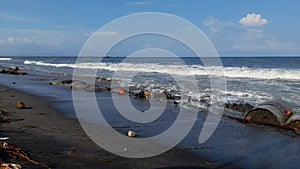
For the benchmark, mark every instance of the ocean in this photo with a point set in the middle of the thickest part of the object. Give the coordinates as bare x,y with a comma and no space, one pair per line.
250,80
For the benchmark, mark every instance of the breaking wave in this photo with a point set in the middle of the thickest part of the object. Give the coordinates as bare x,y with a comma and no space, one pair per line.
4,59
184,70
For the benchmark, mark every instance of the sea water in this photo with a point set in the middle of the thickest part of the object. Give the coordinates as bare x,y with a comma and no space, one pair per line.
248,79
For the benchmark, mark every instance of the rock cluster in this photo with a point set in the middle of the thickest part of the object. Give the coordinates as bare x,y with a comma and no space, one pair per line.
79,85
13,70
240,107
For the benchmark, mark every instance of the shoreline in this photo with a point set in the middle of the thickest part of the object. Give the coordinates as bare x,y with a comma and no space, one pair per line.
53,137
59,142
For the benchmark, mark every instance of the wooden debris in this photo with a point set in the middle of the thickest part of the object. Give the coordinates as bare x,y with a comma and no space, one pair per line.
13,153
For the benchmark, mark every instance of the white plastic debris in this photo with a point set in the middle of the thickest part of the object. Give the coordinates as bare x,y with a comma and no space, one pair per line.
4,138
131,134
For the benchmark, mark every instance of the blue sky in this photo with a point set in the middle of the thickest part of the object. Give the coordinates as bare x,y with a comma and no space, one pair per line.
236,27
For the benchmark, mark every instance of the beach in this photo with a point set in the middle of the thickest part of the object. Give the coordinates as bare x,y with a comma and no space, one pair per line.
50,132
149,84
60,142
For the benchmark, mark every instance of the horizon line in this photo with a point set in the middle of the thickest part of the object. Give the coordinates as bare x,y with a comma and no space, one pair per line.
126,56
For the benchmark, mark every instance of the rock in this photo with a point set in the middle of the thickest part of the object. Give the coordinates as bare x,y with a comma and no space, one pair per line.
104,80
142,94
20,105
3,116
76,85
55,83
79,85
14,68
131,134
5,112
67,81
61,82
168,95
205,98
14,71
238,107
171,96
90,88
176,102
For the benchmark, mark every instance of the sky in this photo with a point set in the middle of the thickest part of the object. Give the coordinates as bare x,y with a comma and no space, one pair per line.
235,27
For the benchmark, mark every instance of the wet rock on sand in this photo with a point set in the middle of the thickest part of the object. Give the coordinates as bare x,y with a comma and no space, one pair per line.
241,107
61,82
79,85
96,88
76,85
4,116
13,70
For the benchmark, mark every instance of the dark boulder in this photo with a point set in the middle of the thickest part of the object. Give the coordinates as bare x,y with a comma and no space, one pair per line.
13,70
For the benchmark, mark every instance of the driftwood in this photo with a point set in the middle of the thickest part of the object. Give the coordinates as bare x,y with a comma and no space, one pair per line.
12,151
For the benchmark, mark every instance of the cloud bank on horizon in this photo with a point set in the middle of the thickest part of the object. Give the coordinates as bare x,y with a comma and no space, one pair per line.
248,30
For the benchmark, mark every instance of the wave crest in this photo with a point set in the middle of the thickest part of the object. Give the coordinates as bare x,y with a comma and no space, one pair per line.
184,70
4,59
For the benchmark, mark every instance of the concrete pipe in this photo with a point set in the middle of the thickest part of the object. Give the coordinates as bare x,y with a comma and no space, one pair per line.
277,112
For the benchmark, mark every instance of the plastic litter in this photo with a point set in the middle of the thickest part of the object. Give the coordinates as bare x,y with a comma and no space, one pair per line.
131,134
4,138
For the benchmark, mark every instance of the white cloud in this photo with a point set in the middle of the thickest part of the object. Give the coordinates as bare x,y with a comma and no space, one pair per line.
17,18
253,19
140,2
40,42
275,44
233,38
266,46
10,40
106,33
217,26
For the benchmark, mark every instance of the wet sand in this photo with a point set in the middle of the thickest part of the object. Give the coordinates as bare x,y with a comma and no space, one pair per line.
59,142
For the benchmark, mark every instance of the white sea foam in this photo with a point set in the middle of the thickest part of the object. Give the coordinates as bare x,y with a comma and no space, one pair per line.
5,59
183,70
